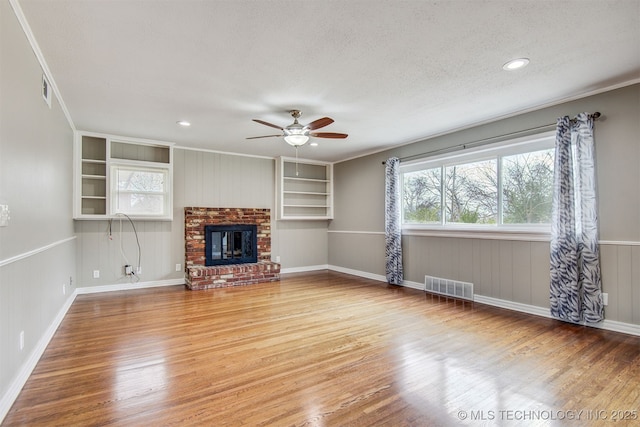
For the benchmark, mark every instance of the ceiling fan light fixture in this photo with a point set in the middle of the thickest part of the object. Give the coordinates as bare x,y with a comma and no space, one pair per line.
296,140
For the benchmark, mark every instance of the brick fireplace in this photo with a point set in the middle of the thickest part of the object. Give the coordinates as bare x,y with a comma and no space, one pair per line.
199,276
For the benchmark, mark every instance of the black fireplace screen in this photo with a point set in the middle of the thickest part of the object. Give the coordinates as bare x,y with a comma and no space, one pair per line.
230,244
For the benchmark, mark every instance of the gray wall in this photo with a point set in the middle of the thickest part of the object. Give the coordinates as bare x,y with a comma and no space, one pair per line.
511,270
200,179
37,248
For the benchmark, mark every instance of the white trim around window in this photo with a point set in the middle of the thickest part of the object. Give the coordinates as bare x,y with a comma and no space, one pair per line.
498,230
152,192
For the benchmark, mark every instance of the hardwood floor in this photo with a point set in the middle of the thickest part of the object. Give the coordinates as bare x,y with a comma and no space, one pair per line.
323,349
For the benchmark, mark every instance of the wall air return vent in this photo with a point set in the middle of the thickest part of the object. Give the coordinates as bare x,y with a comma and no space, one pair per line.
448,287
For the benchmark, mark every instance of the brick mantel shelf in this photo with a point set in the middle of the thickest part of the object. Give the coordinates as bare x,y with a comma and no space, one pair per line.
200,276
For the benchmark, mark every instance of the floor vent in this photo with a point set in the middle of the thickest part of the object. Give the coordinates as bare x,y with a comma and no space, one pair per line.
452,288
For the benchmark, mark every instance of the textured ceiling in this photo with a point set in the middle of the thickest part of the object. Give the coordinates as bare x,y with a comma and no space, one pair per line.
387,72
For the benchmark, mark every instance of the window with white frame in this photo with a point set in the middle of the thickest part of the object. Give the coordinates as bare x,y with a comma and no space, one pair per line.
140,191
503,185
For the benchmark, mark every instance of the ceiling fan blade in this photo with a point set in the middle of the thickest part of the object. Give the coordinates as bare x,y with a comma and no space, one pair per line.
264,136
320,123
328,135
262,122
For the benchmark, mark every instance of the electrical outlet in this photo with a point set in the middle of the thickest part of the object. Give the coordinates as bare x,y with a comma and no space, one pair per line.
21,340
278,258
96,274
178,267
138,270
64,289
70,281
605,299
128,270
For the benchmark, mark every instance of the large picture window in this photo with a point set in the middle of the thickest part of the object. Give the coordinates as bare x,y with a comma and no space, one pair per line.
499,186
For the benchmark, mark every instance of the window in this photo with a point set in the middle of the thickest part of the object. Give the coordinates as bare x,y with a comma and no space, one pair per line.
470,192
527,181
500,186
422,196
140,191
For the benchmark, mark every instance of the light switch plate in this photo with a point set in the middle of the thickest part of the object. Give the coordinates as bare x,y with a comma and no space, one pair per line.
4,215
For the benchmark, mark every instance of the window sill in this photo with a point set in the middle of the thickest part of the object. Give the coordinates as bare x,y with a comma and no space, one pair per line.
539,234
103,217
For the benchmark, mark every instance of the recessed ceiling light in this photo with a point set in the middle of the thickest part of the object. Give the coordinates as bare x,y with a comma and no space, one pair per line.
183,123
515,64
314,144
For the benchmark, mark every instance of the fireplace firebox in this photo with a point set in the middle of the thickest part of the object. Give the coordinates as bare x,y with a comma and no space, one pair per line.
230,244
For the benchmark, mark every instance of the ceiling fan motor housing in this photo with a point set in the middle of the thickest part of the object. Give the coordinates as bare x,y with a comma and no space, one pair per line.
295,134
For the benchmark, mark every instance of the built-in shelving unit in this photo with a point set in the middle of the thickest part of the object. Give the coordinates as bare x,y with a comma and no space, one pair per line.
93,197
96,156
304,189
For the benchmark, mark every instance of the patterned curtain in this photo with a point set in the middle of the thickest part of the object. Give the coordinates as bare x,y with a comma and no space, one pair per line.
576,287
393,227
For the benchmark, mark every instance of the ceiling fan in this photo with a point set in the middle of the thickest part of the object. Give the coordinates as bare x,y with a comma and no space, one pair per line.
296,134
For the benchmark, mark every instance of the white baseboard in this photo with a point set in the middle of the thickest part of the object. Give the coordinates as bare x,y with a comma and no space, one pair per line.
614,325
27,368
609,325
304,269
367,275
413,285
378,277
129,286
511,305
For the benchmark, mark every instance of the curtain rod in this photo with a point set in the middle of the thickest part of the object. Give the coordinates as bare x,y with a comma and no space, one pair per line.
484,141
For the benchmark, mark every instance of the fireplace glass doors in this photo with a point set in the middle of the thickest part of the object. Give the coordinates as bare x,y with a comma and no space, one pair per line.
230,244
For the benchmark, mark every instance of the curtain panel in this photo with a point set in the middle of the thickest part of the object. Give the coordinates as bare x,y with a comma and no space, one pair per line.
393,226
575,282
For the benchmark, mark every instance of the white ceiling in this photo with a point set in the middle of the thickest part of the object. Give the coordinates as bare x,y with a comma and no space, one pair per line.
388,72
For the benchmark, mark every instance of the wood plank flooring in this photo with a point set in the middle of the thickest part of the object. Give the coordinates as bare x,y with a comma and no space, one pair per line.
323,349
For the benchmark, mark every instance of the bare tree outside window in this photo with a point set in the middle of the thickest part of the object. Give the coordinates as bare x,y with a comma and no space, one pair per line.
527,181
472,193
422,196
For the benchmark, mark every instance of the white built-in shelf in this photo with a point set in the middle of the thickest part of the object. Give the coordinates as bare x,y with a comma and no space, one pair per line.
95,154
288,178
93,185
305,192
305,206
304,189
